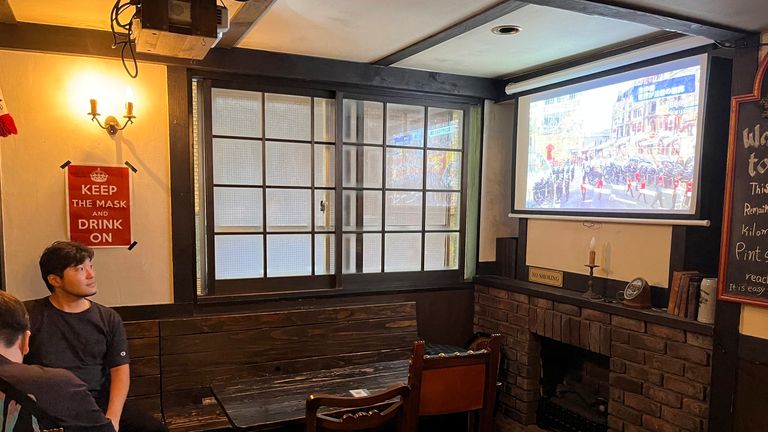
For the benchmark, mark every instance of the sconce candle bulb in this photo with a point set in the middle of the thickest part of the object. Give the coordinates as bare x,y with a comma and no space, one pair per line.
129,109
93,108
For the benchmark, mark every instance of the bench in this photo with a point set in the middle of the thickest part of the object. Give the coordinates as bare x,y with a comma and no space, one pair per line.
193,353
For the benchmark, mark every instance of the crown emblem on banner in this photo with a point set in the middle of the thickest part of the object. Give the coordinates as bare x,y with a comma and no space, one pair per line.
99,176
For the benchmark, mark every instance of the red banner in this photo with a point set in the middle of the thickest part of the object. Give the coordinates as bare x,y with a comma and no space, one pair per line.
99,205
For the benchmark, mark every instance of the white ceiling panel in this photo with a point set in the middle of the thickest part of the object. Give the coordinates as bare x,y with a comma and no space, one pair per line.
740,14
547,35
356,30
91,14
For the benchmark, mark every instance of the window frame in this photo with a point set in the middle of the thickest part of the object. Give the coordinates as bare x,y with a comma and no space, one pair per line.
297,286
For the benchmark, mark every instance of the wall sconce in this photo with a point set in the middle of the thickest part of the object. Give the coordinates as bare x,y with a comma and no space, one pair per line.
111,125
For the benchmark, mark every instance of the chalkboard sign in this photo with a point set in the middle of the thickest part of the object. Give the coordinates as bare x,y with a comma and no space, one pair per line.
744,250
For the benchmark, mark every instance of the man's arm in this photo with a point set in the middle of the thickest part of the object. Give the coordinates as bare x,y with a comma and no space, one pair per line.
119,382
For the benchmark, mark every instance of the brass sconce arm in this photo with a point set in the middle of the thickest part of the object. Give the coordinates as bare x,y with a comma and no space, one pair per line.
111,125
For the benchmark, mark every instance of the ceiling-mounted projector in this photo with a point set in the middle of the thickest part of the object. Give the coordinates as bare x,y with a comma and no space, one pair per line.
179,28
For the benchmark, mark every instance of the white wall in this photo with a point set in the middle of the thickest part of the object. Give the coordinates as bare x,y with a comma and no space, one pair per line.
623,251
48,97
496,186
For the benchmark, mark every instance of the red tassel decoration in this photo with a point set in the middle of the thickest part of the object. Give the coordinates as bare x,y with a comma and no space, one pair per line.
7,125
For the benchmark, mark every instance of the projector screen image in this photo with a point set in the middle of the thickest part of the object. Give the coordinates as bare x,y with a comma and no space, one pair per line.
624,144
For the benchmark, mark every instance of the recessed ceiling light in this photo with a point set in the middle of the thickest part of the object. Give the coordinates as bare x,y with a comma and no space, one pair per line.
506,30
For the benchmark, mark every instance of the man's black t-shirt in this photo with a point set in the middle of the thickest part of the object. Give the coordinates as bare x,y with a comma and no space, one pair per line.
87,343
58,393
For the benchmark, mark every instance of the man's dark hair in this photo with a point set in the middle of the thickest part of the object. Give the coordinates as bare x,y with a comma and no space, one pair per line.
60,256
14,320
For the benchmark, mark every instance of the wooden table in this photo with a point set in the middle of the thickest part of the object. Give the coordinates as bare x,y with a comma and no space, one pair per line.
273,401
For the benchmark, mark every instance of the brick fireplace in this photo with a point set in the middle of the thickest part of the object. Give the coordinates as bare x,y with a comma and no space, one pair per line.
660,365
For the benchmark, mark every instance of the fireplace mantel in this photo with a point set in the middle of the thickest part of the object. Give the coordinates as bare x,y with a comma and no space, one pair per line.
572,297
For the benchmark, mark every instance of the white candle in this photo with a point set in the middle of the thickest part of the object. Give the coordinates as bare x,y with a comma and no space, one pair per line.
592,252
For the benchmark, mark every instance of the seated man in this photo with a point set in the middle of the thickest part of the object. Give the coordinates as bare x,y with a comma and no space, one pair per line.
57,392
74,333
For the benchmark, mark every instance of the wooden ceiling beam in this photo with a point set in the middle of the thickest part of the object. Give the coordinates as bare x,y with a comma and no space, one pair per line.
451,32
243,21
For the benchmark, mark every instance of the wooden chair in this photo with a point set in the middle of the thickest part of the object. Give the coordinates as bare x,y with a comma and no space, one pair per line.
357,413
20,413
451,383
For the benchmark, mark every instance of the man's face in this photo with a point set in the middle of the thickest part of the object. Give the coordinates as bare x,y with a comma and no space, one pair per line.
77,281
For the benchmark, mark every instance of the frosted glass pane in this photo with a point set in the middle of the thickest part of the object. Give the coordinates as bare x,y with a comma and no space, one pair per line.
441,251
239,256
349,173
372,158
403,211
236,161
289,255
237,209
371,201
371,129
324,210
443,170
288,164
405,125
349,253
236,112
445,128
324,254
371,168
325,165
288,210
402,252
443,210
325,120
371,253
405,168
288,117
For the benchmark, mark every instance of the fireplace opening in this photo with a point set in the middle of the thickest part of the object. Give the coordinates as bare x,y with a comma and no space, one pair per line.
574,389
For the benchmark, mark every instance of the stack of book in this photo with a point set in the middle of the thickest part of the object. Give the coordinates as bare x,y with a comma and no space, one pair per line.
684,294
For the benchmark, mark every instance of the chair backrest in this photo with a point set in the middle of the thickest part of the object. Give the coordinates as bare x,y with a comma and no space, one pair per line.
357,413
20,413
449,383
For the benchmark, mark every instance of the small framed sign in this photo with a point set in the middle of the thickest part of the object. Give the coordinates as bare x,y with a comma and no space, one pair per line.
545,276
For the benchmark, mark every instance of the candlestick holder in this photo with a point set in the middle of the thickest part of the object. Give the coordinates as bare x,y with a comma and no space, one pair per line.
591,294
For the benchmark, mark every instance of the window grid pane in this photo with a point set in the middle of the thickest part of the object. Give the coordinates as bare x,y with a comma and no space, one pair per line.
239,256
288,117
441,251
325,120
288,164
236,113
237,209
236,162
289,255
445,128
443,170
405,125
402,252
288,210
